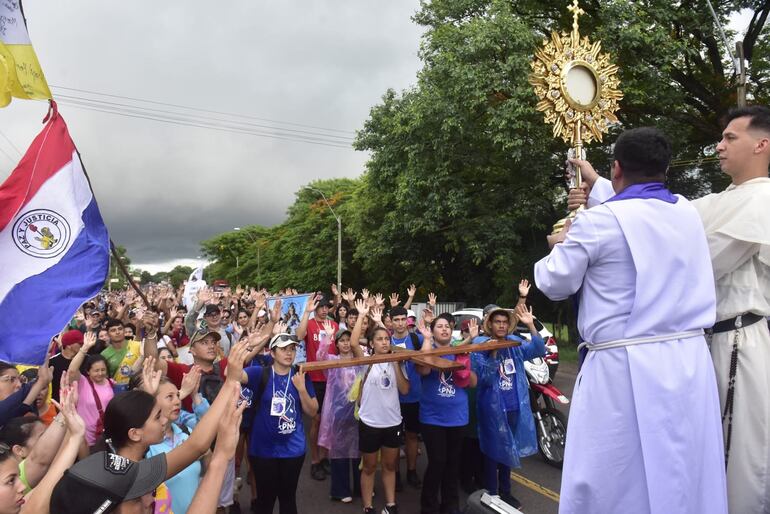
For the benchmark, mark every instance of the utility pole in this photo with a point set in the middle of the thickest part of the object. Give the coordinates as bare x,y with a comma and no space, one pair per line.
339,236
741,74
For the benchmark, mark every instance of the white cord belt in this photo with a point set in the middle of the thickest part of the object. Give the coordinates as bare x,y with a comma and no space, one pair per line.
639,340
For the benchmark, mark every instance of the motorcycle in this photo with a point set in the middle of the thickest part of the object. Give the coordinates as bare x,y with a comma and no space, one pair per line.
550,422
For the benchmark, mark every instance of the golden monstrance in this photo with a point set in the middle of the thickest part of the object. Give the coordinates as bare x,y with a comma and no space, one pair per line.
578,88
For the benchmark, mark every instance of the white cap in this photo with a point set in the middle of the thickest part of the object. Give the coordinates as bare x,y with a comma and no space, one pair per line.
410,314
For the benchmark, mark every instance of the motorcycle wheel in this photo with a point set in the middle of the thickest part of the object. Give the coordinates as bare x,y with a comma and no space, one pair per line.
556,427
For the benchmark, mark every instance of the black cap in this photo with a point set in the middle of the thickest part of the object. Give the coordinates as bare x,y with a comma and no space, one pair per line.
324,300
102,481
212,309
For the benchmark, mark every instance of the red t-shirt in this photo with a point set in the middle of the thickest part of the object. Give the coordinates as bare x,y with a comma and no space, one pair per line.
175,373
312,340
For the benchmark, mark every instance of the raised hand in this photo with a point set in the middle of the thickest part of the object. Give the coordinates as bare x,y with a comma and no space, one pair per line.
89,340
150,321
365,293
280,328
298,379
524,314
349,296
312,303
68,396
411,290
328,327
377,314
190,382
424,329
150,376
428,316
473,328
524,287
394,300
236,360
432,300
362,307
379,300
275,312
335,291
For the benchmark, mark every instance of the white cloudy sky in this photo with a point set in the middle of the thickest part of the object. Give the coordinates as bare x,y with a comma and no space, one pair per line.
163,188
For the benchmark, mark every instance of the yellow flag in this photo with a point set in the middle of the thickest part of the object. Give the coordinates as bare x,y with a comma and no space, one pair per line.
20,72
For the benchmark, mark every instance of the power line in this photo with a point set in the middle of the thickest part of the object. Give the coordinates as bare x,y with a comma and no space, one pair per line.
11,143
201,125
196,118
166,104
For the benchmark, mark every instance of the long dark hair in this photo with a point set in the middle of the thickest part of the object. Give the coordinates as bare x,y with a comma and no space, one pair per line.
127,410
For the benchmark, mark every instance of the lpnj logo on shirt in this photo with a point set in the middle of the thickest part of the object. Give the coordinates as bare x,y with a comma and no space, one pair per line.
287,422
446,388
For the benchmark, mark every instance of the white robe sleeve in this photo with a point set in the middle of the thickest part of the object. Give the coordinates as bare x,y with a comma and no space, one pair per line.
600,192
561,273
728,254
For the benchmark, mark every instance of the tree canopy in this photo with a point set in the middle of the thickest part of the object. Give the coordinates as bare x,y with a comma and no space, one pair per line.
464,179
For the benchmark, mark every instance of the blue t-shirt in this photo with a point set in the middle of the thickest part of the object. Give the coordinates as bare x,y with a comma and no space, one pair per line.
182,486
442,403
277,436
415,379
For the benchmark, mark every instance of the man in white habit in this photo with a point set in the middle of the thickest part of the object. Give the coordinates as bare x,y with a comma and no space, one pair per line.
737,223
644,433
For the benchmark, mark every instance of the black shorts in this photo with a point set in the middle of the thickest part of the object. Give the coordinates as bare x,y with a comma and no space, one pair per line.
320,392
411,414
371,439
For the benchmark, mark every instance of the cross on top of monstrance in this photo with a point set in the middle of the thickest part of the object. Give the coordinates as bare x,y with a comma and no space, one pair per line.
576,12
578,87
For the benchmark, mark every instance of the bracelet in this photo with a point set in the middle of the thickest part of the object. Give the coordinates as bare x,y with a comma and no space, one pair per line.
522,296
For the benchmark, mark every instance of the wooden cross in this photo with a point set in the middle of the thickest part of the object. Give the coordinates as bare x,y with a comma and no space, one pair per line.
431,359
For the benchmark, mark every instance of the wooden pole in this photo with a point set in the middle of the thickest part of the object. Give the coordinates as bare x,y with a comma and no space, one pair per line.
125,272
397,356
741,74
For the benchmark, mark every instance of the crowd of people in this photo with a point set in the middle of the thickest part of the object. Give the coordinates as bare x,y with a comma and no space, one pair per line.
139,384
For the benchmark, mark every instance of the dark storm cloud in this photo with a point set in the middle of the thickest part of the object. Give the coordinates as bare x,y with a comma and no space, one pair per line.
162,188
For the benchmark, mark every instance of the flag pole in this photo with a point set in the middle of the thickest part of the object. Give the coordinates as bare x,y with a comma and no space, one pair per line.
53,111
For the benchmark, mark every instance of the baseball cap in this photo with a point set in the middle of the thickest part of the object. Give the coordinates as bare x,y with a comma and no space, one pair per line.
212,309
341,332
410,314
201,334
283,340
100,482
71,337
324,300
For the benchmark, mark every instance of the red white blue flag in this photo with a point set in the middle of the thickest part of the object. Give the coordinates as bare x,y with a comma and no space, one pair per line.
54,247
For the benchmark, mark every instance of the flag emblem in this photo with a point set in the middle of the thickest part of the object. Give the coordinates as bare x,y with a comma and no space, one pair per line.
41,233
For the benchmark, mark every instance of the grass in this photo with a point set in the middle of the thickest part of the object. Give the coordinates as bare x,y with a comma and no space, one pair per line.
567,351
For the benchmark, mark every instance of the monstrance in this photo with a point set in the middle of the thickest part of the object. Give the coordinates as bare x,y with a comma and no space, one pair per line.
578,89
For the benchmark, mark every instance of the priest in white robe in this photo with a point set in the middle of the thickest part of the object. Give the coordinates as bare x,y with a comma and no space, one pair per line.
737,224
644,433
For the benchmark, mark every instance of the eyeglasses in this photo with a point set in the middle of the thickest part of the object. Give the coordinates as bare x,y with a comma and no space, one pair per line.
14,378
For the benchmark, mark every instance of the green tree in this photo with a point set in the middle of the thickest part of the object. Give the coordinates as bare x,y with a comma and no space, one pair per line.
464,178
301,252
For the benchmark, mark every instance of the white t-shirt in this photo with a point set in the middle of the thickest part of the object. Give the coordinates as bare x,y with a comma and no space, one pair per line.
379,399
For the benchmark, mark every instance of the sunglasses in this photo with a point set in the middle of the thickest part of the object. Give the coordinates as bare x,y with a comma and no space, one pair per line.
282,338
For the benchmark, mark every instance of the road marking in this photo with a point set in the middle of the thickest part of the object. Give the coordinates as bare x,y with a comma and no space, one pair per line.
526,482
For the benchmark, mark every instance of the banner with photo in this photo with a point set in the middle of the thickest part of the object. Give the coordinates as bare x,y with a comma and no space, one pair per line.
291,313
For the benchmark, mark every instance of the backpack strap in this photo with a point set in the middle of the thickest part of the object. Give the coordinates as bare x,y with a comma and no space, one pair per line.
263,381
415,341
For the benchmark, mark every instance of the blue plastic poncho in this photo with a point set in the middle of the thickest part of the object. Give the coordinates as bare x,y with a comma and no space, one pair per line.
497,439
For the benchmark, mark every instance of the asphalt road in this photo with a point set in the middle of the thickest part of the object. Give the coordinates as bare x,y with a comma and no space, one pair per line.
535,484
